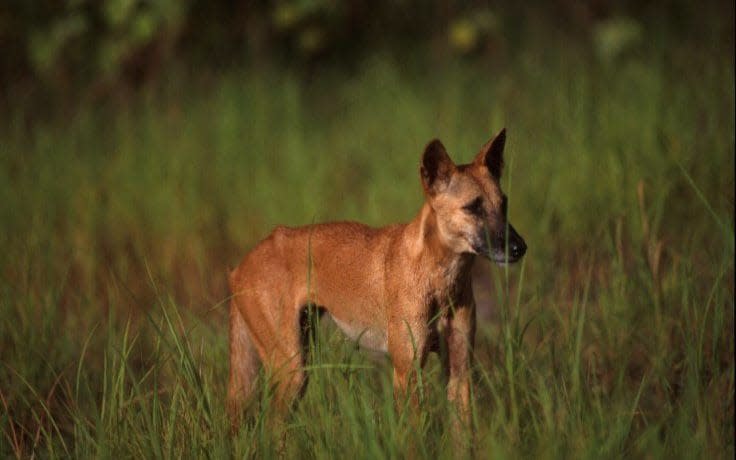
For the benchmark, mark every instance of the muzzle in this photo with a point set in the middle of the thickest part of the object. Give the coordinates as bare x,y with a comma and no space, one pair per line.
494,247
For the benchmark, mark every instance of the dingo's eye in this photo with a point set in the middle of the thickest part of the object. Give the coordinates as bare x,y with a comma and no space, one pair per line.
475,207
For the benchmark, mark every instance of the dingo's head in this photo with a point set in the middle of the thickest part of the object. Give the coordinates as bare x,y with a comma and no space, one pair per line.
469,204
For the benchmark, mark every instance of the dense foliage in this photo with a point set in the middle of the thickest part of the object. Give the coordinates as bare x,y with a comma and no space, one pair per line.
83,47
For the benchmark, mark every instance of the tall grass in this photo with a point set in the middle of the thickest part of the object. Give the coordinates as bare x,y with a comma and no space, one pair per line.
614,336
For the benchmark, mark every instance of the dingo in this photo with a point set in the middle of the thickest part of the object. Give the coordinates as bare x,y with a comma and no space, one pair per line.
399,289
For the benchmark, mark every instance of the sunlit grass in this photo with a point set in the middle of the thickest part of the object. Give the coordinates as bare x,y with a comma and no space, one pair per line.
613,338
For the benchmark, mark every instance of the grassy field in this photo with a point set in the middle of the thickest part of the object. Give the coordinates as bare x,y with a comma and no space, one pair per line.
613,338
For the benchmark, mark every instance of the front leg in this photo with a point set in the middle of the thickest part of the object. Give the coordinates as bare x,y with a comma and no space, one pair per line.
460,340
407,346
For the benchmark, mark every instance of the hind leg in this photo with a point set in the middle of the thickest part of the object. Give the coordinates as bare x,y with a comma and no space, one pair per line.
284,363
290,381
243,366
275,332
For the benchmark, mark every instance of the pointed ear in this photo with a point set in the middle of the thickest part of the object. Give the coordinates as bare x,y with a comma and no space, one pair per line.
436,168
491,154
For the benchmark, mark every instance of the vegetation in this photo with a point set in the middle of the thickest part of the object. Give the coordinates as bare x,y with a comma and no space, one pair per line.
614,337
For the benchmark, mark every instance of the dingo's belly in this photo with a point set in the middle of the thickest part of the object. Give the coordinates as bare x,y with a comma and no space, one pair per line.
370,337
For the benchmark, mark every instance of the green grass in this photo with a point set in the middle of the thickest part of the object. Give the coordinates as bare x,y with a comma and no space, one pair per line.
613,338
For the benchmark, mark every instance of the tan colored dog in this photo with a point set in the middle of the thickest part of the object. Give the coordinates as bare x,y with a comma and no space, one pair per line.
399,289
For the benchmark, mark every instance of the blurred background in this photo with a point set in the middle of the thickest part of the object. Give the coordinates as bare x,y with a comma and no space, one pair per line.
78,51
181,131
145,146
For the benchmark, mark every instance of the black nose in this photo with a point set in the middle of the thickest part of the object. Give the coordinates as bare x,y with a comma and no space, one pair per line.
517,246
517,249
